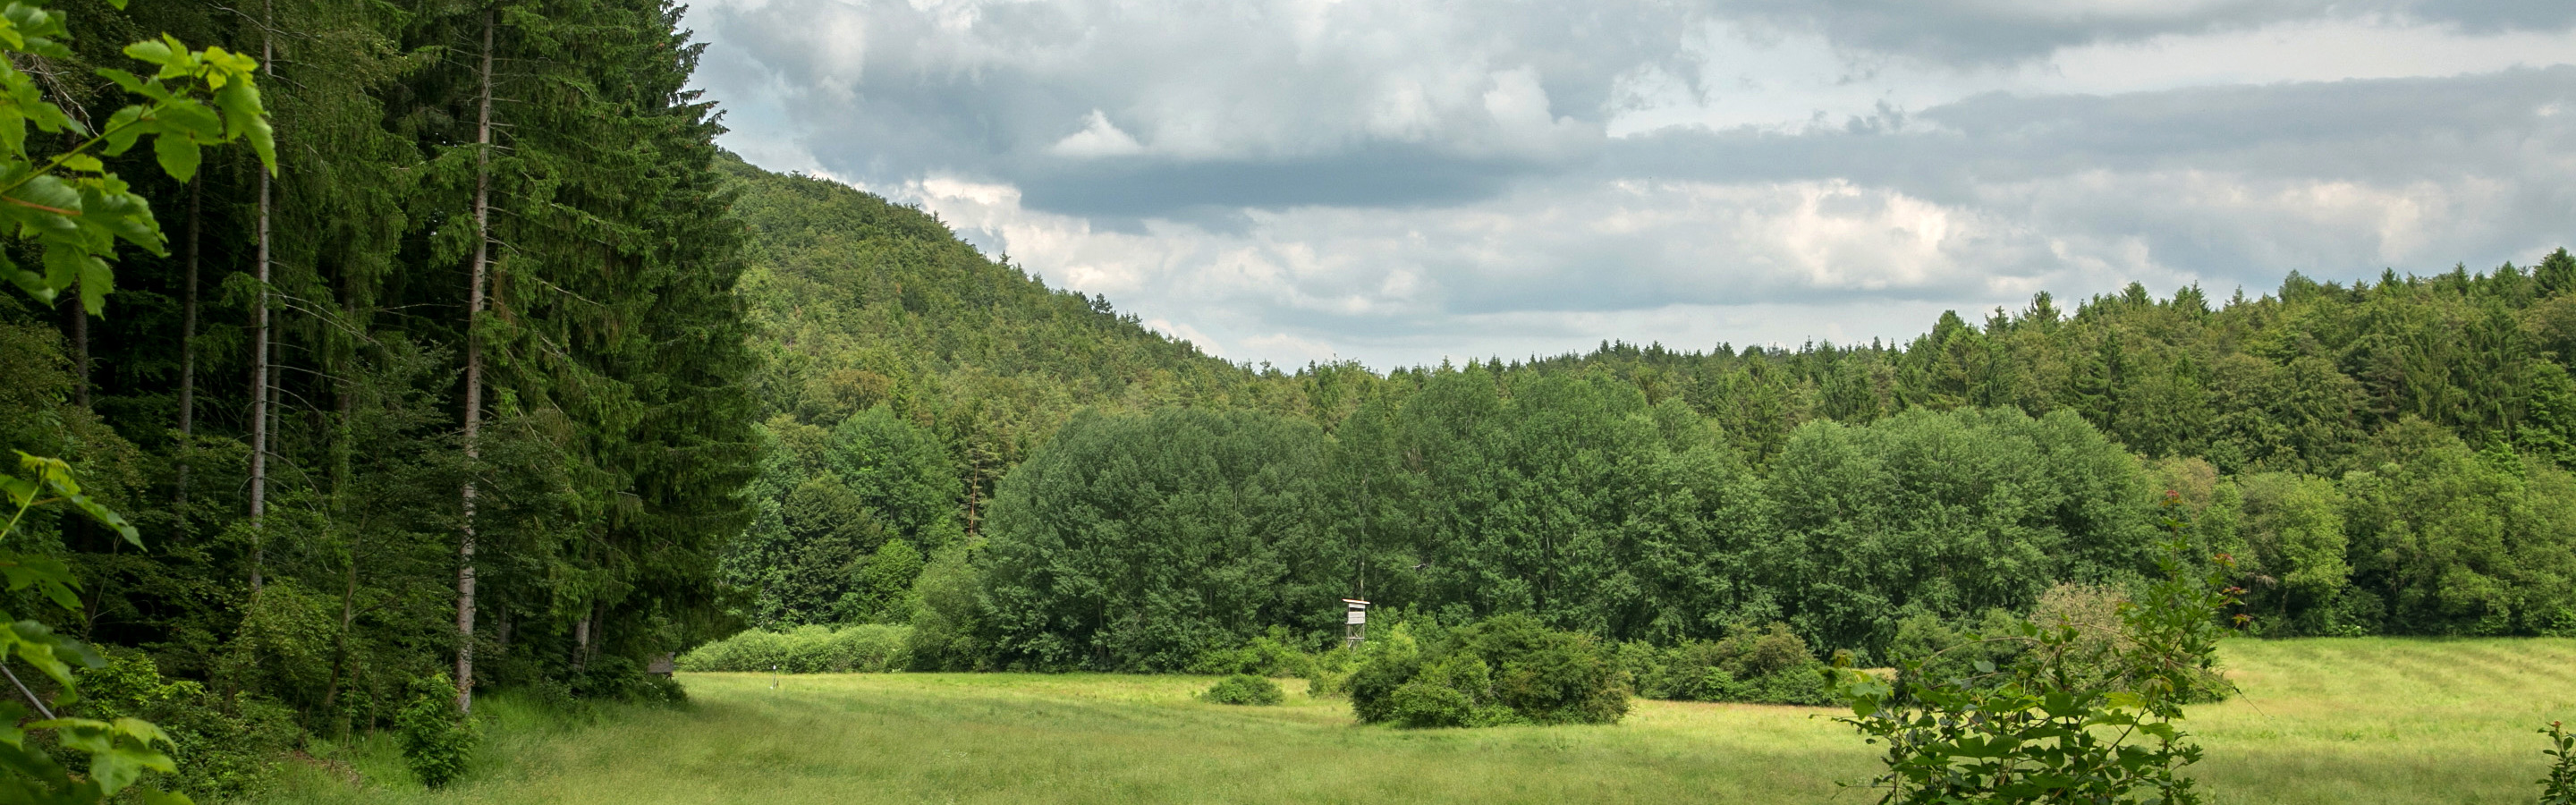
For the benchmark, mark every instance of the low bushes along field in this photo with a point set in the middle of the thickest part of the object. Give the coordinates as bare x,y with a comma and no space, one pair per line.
867,647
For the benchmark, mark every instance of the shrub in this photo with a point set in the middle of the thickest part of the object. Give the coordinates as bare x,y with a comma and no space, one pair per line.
1763,666
436,739
230,744
864,648
1386,665
623,679
1244,689
1927,647
1274,653
1510,669
2077,717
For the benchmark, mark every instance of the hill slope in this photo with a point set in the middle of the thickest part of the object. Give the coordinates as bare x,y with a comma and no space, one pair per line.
904,372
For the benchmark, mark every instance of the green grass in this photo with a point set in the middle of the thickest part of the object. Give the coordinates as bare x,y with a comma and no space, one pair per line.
2322,721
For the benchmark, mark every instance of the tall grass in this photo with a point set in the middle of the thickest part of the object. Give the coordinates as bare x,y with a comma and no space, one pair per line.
2366,721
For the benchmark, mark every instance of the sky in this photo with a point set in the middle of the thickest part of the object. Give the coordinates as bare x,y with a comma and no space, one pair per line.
1400,182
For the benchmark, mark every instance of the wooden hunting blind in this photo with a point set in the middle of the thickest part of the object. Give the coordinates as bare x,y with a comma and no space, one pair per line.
1355,625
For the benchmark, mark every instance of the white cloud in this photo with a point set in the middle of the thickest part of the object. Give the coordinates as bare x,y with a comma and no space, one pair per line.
1098,138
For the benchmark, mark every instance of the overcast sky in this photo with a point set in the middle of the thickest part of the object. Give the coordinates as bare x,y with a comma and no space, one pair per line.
1399,181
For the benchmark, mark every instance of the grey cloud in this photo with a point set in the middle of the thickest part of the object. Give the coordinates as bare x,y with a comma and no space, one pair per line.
1382,176
2384,130
2230,186
1265,139
1988,32
1252,104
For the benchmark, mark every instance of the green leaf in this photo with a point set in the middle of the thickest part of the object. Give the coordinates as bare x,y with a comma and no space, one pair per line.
125,80
188,115
166,798
121,129
20,490
47,574
96,280
178,155
155,51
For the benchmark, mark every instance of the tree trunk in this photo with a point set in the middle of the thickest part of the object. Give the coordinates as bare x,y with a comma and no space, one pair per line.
188,351
474,377
260,378
581,643
259,383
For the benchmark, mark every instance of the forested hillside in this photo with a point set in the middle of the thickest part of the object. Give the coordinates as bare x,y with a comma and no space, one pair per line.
2386,456
904,373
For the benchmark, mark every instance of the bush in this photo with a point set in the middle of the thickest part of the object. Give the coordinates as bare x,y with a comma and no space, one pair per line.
436,739
864,648
623,679
2080,715
1762,666
1245,689
229,746
1510,669
1274,653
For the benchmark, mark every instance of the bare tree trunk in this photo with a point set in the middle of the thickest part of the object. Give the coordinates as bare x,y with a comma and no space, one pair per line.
188,351
259,383
581,643
260,377
474,377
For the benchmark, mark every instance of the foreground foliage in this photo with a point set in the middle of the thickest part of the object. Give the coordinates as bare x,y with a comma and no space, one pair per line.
2085,713
117,752
72,210
2559,786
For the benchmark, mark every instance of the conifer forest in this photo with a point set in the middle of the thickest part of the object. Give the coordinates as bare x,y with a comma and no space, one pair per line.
365,359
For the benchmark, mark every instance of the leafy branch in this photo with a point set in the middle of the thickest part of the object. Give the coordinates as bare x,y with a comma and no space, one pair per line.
2086,714
69,203
76,211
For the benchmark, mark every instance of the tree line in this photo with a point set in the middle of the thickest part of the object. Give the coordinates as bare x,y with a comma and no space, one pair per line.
2384,456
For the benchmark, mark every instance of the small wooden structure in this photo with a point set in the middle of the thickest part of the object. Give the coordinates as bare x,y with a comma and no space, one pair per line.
1355,625
661,665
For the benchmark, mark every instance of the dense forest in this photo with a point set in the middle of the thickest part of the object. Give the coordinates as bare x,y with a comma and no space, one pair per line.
1037,482
455,394
508,378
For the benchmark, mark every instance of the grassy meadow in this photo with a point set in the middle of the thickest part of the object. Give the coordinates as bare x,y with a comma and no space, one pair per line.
2363,720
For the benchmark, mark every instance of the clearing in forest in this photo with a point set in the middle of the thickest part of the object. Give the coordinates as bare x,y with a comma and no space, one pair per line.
2364,720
